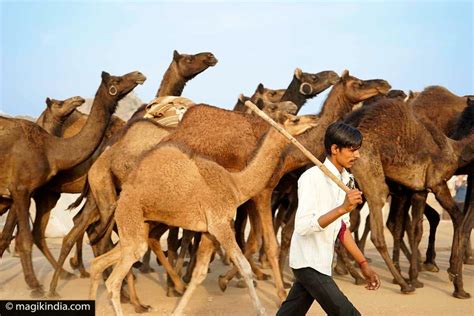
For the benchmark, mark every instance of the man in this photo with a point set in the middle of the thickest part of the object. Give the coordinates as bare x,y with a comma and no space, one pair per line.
322,216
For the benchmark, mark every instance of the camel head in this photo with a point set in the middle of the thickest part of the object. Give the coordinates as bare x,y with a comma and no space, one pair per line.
189,66
273,108
62,109
357,90
313,84
296,125
118,87
266,94
169,110
392,94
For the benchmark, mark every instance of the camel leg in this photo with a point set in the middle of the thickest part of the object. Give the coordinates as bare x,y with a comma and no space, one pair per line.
154,243
286,234
203,256
399,206
433,219
173,246
192,262
88,212
45,202
139,307
369,176
77,262
418,208
185,242
468,258
98,265
455,261
24,239
240,224
7,233
224,236
365,234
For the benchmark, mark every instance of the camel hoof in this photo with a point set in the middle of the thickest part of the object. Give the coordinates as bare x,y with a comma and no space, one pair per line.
263,277
142,308
408,289
469,261
431,267
85,274
222,283
461,294
146,269
241,284
417,284
339,270
37,293
74,263
65,275
359,281
171,292
124,297
54,294
286,285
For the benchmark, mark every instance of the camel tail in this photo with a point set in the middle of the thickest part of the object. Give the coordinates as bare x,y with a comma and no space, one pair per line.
81,197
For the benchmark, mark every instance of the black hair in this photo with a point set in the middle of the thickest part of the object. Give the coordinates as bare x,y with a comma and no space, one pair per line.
343,136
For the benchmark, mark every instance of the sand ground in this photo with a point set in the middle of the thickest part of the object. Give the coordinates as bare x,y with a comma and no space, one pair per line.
434,299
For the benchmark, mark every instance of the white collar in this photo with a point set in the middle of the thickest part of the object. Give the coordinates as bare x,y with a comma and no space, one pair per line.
344,175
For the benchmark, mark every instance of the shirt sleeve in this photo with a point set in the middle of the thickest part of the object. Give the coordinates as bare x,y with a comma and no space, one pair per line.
307,214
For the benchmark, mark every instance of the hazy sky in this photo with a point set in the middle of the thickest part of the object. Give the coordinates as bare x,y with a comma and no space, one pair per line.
58,49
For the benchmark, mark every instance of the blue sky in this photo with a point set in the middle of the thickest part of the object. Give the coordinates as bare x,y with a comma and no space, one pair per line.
58,49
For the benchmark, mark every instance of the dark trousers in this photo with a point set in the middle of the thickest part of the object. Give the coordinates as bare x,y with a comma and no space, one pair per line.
312,285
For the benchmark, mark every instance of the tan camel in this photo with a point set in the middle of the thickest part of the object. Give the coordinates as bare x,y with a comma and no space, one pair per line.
212,195
44,155
422,158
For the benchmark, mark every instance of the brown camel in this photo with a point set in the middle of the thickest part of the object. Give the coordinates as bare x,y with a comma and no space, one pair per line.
212,196
32,157
182,69
421,158
53,118
261,93
441,108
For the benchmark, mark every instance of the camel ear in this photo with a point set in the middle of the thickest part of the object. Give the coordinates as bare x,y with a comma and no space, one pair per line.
176,55
345,74
298,73
260,88
242,98
105,76
48,102
260,104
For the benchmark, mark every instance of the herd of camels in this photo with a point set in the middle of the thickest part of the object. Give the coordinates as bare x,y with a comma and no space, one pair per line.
211,170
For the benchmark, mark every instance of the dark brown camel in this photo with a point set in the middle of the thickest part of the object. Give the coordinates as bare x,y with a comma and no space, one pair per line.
261,93
32,157
347,92
421,158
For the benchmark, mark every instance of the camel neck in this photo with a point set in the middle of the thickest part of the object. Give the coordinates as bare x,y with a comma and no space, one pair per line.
172,83
255,176
69,152
293,94
50,123
334,109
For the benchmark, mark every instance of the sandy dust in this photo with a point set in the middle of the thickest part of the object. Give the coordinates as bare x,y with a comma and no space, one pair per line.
434,299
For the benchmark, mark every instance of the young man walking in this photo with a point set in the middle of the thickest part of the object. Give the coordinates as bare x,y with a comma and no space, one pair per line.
321,217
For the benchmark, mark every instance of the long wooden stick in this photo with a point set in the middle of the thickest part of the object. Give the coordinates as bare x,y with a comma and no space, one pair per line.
306,152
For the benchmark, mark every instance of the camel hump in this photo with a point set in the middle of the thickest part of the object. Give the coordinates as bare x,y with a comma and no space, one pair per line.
168,110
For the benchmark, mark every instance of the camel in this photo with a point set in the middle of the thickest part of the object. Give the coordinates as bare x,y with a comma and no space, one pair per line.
112,168
421,158
183,68
52,119
437,106
32,157
212,196
261,93
230,142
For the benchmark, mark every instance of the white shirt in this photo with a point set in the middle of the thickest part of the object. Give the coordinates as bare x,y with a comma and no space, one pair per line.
311,245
